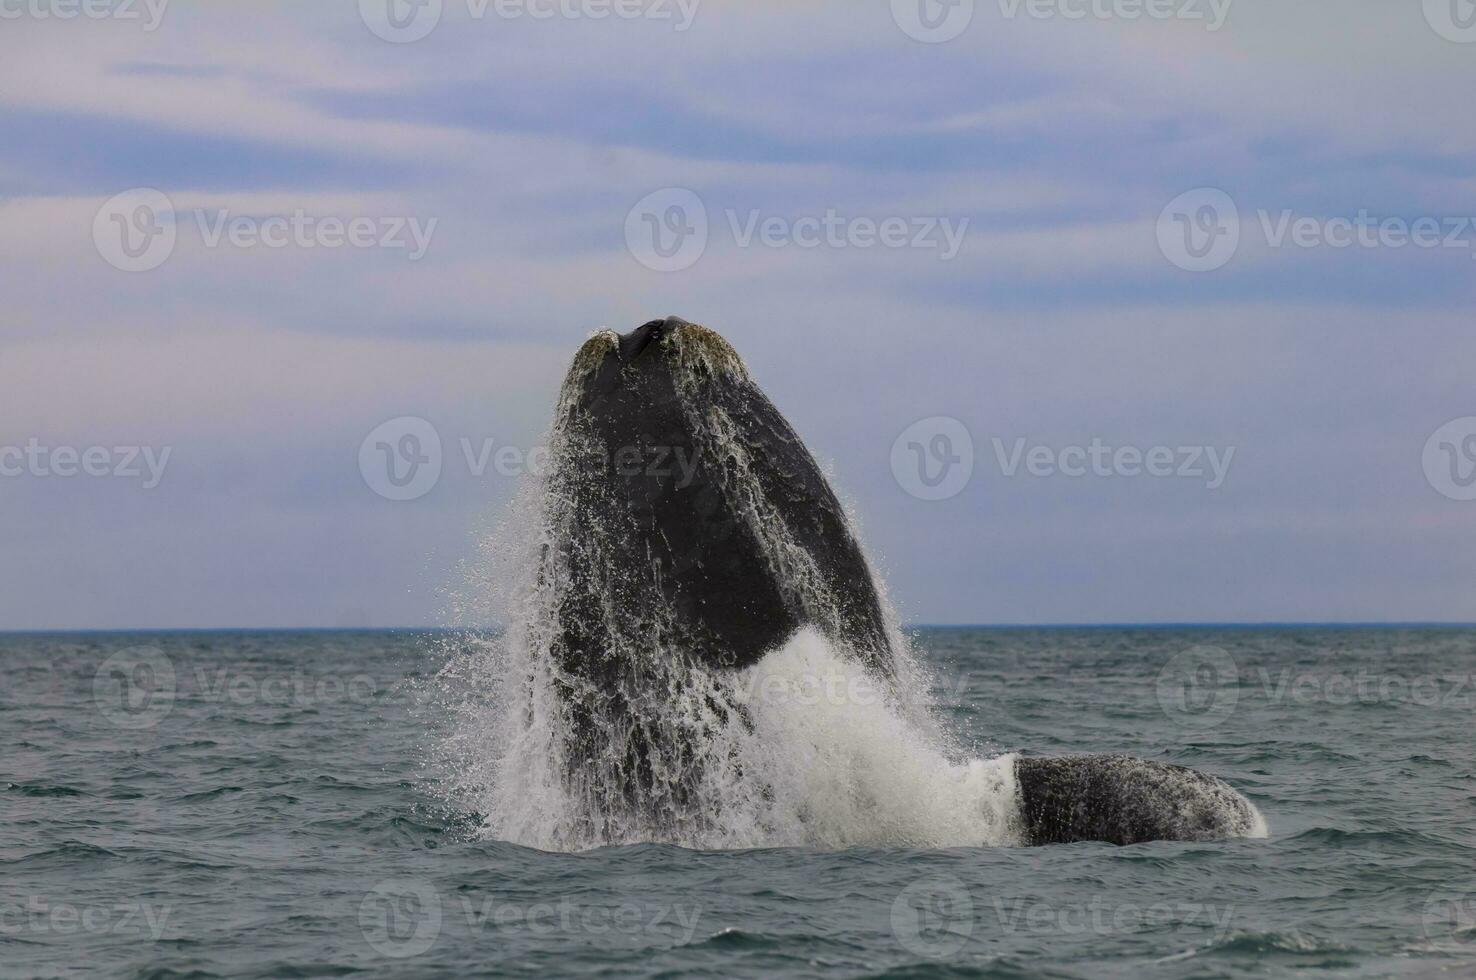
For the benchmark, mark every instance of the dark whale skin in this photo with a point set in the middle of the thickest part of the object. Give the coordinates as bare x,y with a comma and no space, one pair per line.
679,541
1120,799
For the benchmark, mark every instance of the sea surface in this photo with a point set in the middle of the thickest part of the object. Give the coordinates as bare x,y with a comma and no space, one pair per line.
277,805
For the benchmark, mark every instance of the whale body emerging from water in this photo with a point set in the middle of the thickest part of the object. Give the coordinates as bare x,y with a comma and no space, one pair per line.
685,516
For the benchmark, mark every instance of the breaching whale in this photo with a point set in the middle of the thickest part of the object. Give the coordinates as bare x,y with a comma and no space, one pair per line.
688,533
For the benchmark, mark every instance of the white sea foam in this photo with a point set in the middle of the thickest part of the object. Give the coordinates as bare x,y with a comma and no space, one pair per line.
824,757
847,766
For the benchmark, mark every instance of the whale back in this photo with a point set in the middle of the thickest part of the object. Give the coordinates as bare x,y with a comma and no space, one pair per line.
1121,799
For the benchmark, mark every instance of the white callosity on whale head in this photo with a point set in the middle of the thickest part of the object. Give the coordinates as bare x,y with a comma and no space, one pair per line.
701,351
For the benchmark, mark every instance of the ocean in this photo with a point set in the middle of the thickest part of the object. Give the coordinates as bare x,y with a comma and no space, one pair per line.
294,804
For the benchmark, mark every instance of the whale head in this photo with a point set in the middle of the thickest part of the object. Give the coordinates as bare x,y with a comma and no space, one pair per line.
688,509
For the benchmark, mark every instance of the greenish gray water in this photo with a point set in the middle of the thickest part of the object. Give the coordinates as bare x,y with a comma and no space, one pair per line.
263,804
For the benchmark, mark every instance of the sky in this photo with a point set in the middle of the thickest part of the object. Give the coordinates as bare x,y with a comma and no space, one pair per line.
1094,310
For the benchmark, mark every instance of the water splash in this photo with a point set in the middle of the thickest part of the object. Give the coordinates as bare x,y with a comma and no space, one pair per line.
807,747
817,753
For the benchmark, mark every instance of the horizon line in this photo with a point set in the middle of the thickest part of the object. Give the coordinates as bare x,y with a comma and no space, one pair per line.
1123,625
